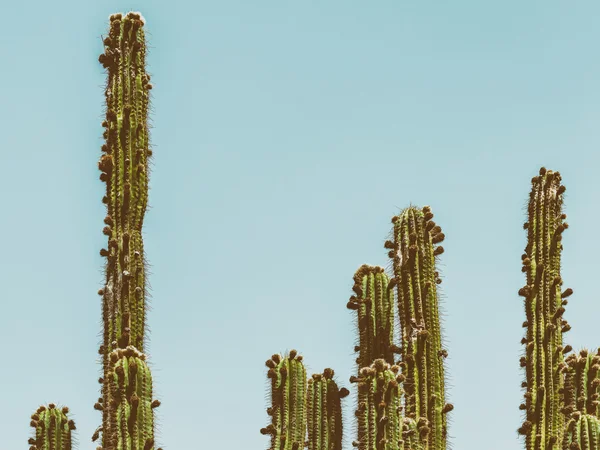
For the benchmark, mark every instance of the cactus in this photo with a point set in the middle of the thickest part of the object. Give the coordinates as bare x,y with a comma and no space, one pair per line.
379,407
52,428
581,382
543,358
126,402
374,303
561,399
413,252
127,418
324,412
288,402
380,422
582,433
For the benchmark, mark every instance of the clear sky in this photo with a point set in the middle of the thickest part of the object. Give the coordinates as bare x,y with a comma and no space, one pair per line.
286,135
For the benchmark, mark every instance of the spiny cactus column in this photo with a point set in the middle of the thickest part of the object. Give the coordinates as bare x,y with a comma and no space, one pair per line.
288,402
324,412
581,405
582,383
374,303
379,408
124,167
544,306
52,428
413,252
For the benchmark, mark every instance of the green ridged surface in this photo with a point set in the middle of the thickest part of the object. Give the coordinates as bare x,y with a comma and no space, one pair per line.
582,384
130,415
374,305
288,402
124,169
379,412
52,428
582,433
414,250
410,435
324,412
543,360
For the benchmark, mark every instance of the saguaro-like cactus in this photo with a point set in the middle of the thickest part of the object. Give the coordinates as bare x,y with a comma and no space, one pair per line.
324,412
52,428
127,421
413,251
543,360
288,402
374,303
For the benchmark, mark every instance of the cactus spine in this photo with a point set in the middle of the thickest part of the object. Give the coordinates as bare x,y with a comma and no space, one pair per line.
127,418
52,428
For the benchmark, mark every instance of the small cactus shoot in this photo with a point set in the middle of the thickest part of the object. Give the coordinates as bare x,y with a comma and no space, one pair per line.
374,303
324,412
288,402
52,428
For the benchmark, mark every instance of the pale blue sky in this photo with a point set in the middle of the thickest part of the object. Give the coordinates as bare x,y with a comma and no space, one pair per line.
286,135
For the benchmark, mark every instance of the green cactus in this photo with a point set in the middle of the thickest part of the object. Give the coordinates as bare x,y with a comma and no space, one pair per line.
413,252
378,413
582,433
124,166
131,384
374,304
582,383
580,399
544,422
52,428
288,402
324,412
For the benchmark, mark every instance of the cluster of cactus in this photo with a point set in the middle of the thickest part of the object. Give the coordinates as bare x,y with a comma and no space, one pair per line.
401,404
126,395
561,393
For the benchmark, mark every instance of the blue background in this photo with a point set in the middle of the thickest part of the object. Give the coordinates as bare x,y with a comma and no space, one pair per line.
286,135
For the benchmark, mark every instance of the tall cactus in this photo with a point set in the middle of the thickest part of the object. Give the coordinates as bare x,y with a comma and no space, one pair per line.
543,360
413,252
52,428
124,166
